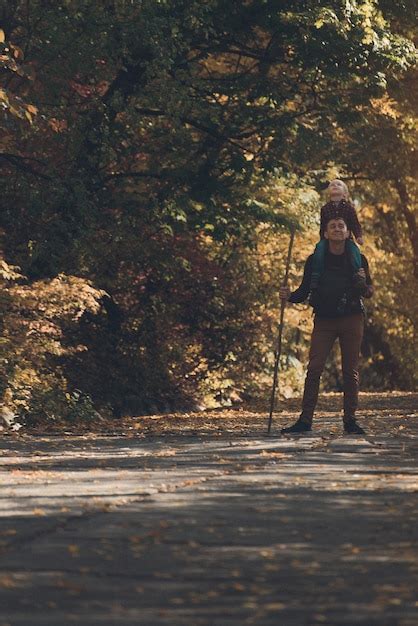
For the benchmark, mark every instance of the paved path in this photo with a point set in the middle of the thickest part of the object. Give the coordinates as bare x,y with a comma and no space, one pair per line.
212,529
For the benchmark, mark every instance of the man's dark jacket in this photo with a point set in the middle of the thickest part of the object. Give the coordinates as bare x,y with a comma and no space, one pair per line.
339,292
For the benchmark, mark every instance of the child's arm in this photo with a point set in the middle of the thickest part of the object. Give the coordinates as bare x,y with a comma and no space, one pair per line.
322,223
355,225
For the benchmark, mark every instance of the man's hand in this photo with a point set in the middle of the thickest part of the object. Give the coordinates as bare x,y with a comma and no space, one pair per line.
360,284
284,292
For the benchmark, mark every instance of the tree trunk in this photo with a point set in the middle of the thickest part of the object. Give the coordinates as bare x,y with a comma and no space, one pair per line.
411,222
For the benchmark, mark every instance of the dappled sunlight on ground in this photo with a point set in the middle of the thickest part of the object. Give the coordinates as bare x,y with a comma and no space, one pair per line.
204,519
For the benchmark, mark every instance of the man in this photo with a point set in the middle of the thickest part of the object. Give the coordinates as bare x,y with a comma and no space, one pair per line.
339,312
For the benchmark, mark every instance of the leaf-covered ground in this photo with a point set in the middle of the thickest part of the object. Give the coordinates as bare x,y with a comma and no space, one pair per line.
202,519
248,419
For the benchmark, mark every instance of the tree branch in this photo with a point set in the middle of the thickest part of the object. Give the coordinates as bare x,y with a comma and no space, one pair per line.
20,163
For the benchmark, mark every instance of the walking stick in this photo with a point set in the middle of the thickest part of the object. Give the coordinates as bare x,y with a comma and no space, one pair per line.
279,339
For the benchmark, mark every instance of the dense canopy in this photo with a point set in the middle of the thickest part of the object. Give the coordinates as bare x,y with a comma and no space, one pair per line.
153,156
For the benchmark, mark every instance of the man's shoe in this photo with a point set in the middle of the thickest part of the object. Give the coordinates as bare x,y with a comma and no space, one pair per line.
352,428
297,427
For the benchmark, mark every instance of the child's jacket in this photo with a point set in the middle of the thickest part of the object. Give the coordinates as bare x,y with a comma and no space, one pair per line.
342,208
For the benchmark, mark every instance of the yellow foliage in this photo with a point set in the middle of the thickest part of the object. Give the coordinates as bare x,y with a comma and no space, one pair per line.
32,332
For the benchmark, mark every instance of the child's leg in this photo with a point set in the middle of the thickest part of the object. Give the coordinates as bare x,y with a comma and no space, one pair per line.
318,261
355,255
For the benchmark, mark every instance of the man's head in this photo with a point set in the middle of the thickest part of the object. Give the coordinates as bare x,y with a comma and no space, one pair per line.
336,229
337,190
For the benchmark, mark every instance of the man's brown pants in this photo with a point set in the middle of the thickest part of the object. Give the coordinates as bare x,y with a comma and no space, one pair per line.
349,330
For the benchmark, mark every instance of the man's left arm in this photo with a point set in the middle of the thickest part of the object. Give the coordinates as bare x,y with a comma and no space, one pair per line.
364,283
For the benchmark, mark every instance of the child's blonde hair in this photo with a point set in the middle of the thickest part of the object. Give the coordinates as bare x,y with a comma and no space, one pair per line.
346,192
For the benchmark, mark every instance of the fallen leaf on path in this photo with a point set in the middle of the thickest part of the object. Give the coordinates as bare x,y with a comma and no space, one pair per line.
277,455
38,512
